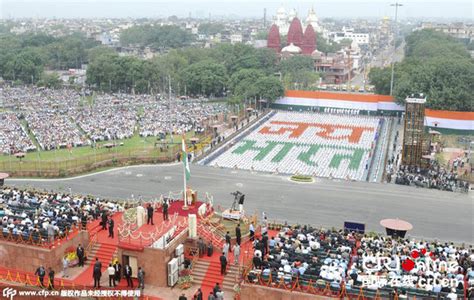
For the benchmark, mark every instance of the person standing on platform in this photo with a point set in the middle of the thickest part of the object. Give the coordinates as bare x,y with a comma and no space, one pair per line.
210,249
149,210
252,232
128,274
165,210
41,272
111,272
223,261
80,255
51,279
238,234
111,227
236,254
264,244
65,267
97,273
104,220
201,247
227,240
198,295
118,271
141,278
225,249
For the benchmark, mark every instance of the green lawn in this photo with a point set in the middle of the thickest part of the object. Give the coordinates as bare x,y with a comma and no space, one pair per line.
62,162
134,145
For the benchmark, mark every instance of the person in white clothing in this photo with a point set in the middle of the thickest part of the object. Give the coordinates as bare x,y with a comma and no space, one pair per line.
111,271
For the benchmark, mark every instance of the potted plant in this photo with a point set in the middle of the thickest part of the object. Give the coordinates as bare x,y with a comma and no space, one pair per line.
71,256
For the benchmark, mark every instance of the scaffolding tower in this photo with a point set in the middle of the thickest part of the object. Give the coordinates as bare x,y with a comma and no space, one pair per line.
412,151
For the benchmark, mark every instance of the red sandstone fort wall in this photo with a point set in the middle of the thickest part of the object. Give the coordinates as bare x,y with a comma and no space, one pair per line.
27,258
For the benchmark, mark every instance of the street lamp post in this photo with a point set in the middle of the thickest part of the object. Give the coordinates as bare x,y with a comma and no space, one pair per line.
396,4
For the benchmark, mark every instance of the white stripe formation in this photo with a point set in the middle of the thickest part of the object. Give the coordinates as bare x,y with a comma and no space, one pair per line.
324,145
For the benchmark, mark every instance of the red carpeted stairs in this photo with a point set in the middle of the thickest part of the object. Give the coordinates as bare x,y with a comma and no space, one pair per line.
212,276
208,235
104,252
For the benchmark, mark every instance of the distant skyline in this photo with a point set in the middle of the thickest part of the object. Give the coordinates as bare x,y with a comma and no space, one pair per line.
459,9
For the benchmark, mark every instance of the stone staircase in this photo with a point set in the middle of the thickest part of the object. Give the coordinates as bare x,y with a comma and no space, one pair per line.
207,233
104,252
199,271
229,278
206,274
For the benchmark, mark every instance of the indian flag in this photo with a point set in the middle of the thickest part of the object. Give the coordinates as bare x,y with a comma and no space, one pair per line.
185,161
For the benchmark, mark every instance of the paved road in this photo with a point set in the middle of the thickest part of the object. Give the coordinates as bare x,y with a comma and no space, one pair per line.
434,214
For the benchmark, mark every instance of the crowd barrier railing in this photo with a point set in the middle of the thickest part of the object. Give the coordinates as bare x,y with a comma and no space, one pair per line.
39,239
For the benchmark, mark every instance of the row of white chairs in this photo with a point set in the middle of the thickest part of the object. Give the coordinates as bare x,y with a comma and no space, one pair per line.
319,163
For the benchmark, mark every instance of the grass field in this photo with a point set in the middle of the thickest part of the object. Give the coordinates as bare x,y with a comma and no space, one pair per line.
64,162
136,144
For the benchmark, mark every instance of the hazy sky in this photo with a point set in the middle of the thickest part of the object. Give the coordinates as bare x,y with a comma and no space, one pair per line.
462,9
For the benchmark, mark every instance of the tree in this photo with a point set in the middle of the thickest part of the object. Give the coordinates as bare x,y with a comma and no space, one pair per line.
157,37
262,35
211,28
296,64
436,65
304,80
240,81
325,46
205,78
26,66
380,78
50,80
269,88
298,72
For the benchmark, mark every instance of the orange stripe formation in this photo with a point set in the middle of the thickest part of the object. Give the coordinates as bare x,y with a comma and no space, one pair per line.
452,115
373,98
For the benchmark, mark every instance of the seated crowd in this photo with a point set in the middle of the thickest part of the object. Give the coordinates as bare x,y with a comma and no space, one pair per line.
334,258
182,117
64,118
54,130
105,123
435,177
435,263
304,252
13,138
49,215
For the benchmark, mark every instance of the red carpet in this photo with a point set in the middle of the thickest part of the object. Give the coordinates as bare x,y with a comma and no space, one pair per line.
104,254
177,206
213,276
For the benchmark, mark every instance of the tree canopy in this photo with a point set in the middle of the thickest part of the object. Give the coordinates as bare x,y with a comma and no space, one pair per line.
156,37
435,64
24,57
211,28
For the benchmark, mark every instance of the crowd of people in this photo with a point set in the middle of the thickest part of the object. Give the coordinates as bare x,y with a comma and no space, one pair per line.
159,119
434,177
371,262
66,118
48,216
105,123
54,130
13,138
436,264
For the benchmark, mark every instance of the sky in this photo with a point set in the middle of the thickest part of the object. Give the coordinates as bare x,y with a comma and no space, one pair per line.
429,9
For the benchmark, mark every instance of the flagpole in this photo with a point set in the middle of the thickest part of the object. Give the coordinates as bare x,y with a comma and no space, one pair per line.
184,180
185,156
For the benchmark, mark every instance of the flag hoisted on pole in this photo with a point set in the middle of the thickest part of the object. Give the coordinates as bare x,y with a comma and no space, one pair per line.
187,171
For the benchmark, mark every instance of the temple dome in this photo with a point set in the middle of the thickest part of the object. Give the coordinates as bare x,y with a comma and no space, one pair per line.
291,48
